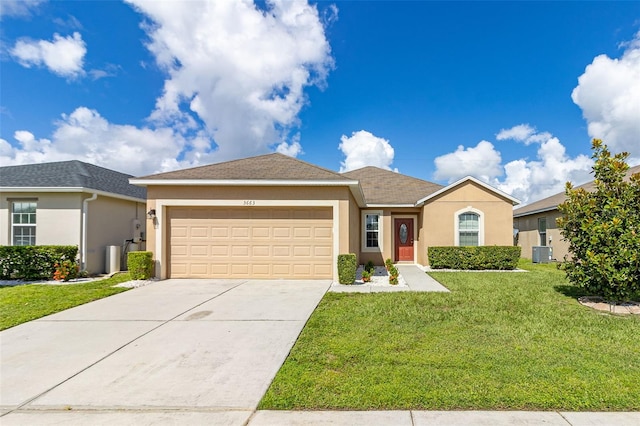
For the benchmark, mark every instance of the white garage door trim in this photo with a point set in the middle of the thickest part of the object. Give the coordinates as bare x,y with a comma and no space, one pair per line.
161,205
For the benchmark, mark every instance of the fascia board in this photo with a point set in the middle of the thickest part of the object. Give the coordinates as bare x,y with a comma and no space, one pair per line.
239,182
60,189
546,209
514,201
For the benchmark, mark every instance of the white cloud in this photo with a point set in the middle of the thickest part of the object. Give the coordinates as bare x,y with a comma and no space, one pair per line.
609,95
17,8
365,149
87,136
238,70
523,133
481,161
527,180
547,175
63,56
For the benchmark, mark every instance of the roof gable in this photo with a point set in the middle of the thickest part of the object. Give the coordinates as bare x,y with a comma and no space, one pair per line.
385,187
478,182
270,167
552,202
69,174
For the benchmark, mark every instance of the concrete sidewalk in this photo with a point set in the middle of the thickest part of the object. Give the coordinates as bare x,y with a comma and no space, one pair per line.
159,416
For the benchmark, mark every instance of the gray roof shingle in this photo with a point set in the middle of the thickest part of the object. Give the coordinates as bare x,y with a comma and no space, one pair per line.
386,187
552,202
69,174
273,166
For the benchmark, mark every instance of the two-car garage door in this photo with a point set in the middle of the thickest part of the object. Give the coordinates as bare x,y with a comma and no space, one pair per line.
250,242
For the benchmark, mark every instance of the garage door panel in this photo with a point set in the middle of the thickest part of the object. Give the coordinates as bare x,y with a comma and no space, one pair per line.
199,251
201,269
301,232
301,251
240,232
250,242
199,232
260,232
261,251
240,269
240,251
281,251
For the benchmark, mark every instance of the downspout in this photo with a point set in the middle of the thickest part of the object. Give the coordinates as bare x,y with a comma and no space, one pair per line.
83,253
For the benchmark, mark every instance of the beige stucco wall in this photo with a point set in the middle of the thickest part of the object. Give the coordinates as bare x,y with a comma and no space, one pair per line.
58,217
439,219
388,242
237,195
110,222
529,237
59,222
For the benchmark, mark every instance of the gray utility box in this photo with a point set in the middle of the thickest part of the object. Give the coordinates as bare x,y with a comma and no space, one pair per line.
541,254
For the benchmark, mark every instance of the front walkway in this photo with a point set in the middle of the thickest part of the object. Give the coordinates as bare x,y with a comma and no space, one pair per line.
416,279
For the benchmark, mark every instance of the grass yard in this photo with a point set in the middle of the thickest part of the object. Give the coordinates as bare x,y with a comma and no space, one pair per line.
498,341
30,301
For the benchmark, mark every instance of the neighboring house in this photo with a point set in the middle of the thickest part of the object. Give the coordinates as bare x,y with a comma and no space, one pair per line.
274,216
535,223
70,203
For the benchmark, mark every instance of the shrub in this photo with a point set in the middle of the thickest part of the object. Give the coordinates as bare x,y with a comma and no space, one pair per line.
66,270
393,275
388,264
370,267
603,229
33,262
347,268
474,258
140,265
366,275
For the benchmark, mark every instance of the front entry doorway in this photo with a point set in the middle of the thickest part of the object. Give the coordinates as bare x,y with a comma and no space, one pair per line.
403,228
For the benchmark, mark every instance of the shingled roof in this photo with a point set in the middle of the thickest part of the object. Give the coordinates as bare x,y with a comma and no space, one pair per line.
552,202
69,174
386,187
273,166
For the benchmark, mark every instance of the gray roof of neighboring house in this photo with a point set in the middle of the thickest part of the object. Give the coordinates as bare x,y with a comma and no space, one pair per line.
273,166
386,187
552,202
70,174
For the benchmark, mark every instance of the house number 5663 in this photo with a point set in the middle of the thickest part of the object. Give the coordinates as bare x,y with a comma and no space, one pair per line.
249,202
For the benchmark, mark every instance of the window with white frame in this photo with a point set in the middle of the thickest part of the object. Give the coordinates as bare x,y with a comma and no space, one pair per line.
469,229
372,232
23,223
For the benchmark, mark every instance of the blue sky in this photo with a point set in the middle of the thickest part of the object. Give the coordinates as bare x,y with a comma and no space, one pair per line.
509,92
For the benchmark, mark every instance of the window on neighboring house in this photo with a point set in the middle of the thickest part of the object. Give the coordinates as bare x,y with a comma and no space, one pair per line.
469,229
371,237
23,223
542,230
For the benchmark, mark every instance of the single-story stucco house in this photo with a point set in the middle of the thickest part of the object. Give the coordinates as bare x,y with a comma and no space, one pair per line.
273,216
536,222
70,203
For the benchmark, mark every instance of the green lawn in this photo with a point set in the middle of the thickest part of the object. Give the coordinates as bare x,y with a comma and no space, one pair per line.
497,341
27,302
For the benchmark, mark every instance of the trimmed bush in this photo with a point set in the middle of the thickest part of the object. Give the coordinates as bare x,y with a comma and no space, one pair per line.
474,258
347,268
33,262
393,275
140,265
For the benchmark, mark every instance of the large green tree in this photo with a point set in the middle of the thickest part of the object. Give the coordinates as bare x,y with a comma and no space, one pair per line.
603,229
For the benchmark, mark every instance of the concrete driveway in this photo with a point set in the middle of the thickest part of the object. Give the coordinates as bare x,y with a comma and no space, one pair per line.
183,351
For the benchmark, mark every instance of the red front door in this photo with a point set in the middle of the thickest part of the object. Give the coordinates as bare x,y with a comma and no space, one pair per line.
403,229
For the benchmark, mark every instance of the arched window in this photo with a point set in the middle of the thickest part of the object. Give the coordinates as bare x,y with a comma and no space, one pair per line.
469,230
